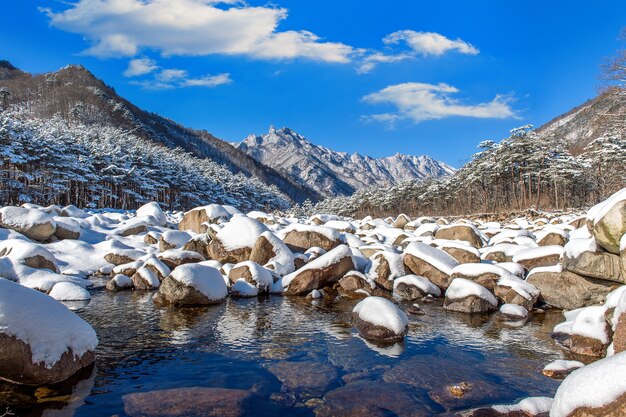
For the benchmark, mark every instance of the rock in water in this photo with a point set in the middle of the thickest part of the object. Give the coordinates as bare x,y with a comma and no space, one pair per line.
569,291
41,341
466,296
304,378
323,271
192,284
379,319
596,390
186,402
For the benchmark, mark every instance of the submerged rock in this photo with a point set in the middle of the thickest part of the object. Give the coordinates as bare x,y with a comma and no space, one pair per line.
186,402
304,378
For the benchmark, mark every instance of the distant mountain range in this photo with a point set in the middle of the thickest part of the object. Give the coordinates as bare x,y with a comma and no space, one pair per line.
333,173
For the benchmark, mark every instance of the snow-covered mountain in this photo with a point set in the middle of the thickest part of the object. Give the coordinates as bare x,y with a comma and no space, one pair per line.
335,173
604,115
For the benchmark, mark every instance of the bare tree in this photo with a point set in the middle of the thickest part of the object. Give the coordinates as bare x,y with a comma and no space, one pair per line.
614,69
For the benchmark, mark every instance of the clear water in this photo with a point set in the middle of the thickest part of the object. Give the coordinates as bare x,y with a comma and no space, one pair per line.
232,345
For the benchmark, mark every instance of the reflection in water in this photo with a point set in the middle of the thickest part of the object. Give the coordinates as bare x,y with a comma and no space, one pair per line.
232,345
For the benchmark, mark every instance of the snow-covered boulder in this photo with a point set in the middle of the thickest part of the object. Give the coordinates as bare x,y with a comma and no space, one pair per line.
401,221
463,253
379,319
552,236
300,237
412,287
323,271
32,223
67,228
385,266
234,242
560,368
159,268
176,257
122,255
152,214
198,218
355,284
242,288
41,341
269,249
468,297
607,221
590,332
513,311
528,407
567,290
596,264
28,253
145,279
501,252
198,243
618,322
119,282
464,232
173,239
540,256
253,273
192,284
426,261
513,290
68,291
131,227
483,274
596,390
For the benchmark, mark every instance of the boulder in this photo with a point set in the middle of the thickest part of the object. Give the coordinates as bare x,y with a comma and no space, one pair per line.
486,275
131,227
385,266
269,249
198,244
33,223
599,264
465,232
192,284
425,261
176,257
123,256
463,255
619,325
28,253
513,290
119,282
380,320
145,279
466,296
413,287
41,340
300,237
559,369
233,243
152,213
253,274
541,256
321,272
151,238
608,224
192,402
197,219
401,221
354,284
67,228
590,332
174,239
569,291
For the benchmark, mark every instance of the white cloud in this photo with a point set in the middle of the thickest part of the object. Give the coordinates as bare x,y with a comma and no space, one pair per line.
174,78
418,102
191,27
140,66
208,81
430,43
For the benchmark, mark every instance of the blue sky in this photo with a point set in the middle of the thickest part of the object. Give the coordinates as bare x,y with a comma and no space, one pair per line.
416,77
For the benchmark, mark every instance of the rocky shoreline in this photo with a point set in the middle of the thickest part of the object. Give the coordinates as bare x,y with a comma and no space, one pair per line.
514,269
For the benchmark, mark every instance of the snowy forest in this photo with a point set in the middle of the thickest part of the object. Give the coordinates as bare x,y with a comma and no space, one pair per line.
522,171
54,161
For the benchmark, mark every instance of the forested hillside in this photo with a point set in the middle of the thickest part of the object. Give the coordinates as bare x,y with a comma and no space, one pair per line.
54,161
77,96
